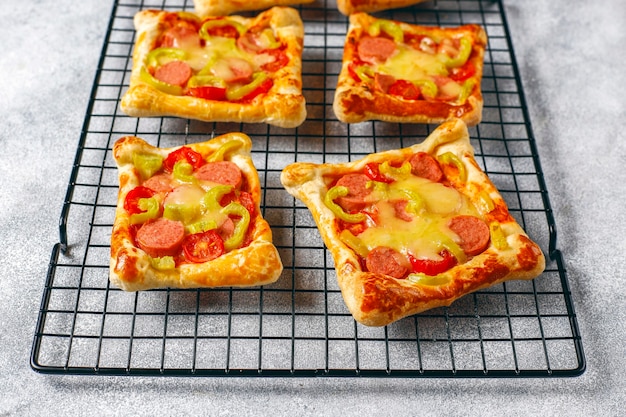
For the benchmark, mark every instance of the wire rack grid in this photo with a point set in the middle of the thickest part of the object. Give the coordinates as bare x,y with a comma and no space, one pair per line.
300,326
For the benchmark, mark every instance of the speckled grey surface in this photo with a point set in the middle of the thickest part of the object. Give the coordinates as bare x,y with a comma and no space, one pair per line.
566,55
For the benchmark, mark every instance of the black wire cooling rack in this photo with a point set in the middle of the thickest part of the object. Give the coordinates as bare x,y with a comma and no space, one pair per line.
300,326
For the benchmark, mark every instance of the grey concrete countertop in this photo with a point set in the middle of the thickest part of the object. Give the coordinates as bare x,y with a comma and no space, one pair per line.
567,54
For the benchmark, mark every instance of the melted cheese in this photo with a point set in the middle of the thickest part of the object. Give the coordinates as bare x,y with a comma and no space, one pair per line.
427,233
413,65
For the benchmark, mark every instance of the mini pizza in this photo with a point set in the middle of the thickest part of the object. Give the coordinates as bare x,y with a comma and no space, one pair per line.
226,7
348,7
224,69
415,228
396,72
189,217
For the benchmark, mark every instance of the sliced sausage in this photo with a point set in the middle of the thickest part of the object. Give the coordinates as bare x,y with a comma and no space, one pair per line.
221,172
425,166
382,82
384,260
400,208
161,237
357,191
180,36
161,183
226,229
473,232
174,72
375,49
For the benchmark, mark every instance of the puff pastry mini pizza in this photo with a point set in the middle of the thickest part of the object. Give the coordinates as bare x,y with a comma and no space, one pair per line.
348,7
226,69
414,228
226,7
189,217
397,72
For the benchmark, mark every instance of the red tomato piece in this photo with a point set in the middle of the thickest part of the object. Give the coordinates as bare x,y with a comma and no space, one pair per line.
373,172
405,89
463,73
203,247
432,267
280,60
208,92
192,157
261,89
131,202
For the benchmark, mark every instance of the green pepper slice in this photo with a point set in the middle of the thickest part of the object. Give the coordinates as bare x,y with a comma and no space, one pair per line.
183,171
211,200
147,164
206,80
336,192
237,93
466,90
163,264
185,213
201,226
497,236
172,54
464,52
150,207
230,146
167,88
423,279
428,88
391,28
396,174
353,243
241,227
450,158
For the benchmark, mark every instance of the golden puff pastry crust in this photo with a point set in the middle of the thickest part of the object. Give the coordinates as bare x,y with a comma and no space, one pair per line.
377,299
273,54
348,7
255,262
226,7
399,72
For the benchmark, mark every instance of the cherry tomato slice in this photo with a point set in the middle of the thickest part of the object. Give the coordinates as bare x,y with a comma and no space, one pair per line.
373,172
405,89
463,73
431,267
281,59
208,92
131,202
191,156
203,247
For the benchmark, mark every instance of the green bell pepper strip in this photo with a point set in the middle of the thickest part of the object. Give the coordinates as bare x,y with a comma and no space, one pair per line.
423,279
497,236
241,227
450,158
167,88
486,203
164,263
353,243
428,88
173,54
206,80
237,93
150,207
464,52
364,72
336,192
147,164
415,201
452,247
211,200
214,23
230,146
391,28
200,226
396,174
466,90
269,39
181,212
188,16
183,172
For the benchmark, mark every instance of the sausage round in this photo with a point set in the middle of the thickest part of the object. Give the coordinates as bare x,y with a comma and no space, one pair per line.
161,237
221,172
174,72
425,166
372,49
473,232
160,183
384,260
357,191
